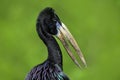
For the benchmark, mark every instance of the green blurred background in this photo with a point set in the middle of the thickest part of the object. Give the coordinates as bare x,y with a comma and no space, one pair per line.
95,25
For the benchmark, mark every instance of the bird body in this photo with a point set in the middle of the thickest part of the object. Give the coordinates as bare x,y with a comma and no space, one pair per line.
47,71
49,24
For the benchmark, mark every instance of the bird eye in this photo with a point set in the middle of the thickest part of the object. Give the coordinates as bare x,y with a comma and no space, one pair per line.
54,20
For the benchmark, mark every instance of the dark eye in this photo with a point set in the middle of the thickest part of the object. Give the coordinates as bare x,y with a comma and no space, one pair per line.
54,20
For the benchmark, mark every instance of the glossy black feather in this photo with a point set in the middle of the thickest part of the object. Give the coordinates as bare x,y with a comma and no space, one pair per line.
51,69
46,71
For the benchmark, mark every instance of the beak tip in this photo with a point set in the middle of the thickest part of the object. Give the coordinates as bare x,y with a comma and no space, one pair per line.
84,62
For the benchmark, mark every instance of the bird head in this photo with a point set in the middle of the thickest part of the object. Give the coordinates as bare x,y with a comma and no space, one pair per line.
54,26
50,20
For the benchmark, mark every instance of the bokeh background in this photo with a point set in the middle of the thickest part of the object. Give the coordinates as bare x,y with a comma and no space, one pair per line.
95,25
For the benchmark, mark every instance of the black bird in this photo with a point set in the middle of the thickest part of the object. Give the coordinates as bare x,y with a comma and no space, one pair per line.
49,25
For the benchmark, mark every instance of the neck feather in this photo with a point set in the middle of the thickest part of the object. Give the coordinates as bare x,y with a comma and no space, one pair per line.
54,52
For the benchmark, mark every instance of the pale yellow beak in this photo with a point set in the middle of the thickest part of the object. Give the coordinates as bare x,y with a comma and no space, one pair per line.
66,37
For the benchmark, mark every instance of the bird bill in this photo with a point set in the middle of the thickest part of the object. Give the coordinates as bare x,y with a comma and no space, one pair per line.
65,36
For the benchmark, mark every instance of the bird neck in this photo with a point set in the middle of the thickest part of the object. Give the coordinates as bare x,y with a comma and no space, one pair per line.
54,52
